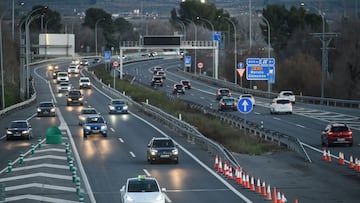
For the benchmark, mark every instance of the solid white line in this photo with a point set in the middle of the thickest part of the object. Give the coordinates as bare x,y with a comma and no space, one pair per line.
57,166
48,175
227,184
166,197
147,172
132,154
301,126
50,150
38,198
121,140
45,157
40,185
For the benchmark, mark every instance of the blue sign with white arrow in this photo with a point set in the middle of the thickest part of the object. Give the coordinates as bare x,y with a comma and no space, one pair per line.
245,105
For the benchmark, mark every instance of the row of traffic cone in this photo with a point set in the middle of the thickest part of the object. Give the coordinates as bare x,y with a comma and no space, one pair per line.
244,179
341,160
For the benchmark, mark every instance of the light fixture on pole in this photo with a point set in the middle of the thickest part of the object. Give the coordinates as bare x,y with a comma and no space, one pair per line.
269,45
212,32
97,22
235,49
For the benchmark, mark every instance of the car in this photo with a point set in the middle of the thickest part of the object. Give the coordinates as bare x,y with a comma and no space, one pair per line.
336,133
287,94
84,82
222,92
228,103
73,69
142,189
157,80
153,54
157,68
281,105
178,88
95,124
186,83
84,62
74,96
162,148
46,108
249,96
117,106
19,128
64,87
85,112
53,67
97,60
162,74
62,76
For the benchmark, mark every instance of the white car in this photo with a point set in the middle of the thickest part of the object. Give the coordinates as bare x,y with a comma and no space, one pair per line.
64,87
281,105
85,112
249,96
84,82
142,189
287,94
73,69
62,76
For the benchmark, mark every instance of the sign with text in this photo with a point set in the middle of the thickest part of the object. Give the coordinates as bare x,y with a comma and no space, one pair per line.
260,69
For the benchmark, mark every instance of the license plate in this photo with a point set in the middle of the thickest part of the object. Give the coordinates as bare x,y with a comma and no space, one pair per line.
164,156
17,134
96,131
341,139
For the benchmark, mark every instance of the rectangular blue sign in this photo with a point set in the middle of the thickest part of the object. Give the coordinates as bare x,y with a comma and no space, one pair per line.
187,60
107,56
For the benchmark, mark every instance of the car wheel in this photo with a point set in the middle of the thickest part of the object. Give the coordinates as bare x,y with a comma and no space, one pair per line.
105,135
28,137
176,161
7,137
350,144
85,135
151,161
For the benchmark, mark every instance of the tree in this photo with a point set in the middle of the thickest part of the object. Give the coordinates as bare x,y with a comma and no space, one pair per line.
47,17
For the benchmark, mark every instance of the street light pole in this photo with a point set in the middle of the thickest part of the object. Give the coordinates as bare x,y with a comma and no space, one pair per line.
268,26
2,66
235,50
215,75
192,22
97,22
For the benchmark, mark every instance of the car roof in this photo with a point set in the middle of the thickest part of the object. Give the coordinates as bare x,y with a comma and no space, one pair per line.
19,121
43,102
245,95
223,88
161,138
83,78
281,98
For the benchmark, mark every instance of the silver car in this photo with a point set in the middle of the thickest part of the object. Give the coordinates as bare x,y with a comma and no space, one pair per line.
85,112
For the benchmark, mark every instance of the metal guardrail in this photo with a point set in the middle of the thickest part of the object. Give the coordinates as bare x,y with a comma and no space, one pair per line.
299,98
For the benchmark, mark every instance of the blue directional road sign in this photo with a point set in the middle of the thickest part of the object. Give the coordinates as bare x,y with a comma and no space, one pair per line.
187,61
245,105
107,56
260,69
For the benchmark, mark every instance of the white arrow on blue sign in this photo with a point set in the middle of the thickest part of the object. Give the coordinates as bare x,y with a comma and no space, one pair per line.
245,105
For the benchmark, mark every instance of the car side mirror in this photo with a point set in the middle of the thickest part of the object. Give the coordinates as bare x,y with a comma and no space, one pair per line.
148,145
122,188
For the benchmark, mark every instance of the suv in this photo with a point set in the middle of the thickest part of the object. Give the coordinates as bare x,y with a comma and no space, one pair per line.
162,74
157,80
73,69
222,92
95,124
337,133
186,83
117,106
157,68
74,97
281,105
84,82
162,148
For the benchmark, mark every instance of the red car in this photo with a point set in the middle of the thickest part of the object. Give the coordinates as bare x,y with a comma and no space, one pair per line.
337,133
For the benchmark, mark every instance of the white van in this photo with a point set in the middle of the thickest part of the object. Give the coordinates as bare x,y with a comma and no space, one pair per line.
62,76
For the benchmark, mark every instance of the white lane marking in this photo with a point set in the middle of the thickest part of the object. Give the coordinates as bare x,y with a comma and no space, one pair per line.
276,118
301,126
50,150
132,154
112,129
166,197
40,185
147,172
45,157
47,175
121,140
57,166
257,113
38,198
216,175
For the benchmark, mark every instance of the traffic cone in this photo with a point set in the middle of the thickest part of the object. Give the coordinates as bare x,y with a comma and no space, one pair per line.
258,186
278,197
247,181
283,199
324,156
274,198
252,184
263,189
216,165
357,166
230,176
341,158
244,180
328,156
225,169
220,170
268,193
296,201
240,177
351,162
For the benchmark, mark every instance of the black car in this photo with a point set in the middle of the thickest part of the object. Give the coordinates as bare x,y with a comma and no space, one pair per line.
74,96
186,83
46,108
157,80
178,88
19,128
162,148
228,103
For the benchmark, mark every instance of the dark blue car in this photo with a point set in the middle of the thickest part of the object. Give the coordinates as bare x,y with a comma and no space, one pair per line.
95,125
118,106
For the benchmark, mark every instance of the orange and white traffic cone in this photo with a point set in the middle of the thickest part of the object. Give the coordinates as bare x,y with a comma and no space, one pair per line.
357,165
225,169
283,198
220,169
263,189
268,193
216,165
258,186
252,184
324,156
247,181
278,197
328,156
244,180
341,160
240,177
230,175
274,198
351,162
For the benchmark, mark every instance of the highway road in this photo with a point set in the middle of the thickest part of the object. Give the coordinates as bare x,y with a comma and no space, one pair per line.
107,162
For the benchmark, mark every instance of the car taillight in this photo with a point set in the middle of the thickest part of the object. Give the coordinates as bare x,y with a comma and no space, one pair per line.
330,134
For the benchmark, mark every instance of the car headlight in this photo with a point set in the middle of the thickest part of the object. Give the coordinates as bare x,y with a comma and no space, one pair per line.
25,132
80,99
111,107
125,107
69,99
153,152
82,118
129,198
175,151
38,110
9,132
87,128
104,127
52,109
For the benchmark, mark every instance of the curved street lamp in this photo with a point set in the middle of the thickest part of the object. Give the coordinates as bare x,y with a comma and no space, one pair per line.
213,31
96,24
192,22
235,49
268,26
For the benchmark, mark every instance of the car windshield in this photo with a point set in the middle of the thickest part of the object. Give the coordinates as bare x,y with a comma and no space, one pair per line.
228,100
163,143
75,93
185,82
246,96
283,101
46,105
89,111
178,86
224,91
18,125
339,128
288,94
118,102
62,74
84,80
142,186
64,84
95,120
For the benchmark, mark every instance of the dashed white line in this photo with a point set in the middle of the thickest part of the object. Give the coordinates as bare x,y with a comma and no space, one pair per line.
132,154
121,140
276,118
112,129
147,172
301,126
